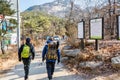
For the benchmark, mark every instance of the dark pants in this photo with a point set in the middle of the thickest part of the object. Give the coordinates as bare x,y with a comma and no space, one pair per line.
26,63
50,66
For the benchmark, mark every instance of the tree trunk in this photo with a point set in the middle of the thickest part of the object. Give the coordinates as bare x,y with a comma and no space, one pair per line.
2,47
112,19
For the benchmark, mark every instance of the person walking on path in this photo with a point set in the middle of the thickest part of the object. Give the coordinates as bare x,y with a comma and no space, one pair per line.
51,53
26,53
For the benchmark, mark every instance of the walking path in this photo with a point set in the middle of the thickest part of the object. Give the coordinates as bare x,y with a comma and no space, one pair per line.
38,72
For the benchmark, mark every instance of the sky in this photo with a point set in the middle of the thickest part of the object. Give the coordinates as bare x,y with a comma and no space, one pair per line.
24,4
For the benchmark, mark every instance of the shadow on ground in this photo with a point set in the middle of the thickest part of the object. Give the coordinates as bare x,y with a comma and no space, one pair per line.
36,68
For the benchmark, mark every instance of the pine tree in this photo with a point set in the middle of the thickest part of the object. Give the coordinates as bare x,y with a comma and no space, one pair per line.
5,8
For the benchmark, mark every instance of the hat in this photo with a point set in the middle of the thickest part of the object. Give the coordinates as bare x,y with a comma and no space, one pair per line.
27,40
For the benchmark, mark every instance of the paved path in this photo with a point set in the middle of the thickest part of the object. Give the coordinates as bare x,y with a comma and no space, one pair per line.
38,72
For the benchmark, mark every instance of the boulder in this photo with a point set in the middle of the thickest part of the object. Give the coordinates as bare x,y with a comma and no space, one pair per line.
83,57
71,53
99,57
116,62
64,59
66,47
90,64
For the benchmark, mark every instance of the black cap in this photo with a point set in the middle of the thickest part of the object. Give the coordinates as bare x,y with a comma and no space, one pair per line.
27,40
50,38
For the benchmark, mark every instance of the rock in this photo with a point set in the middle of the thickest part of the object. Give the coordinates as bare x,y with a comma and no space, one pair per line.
90,41
116,62
71,53
90,64
83,57
64,59
66,47
101,78
99,57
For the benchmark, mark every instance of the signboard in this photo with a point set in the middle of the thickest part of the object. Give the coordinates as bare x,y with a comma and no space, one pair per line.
118,26
1,18
96,28
4,25
0,25
14,39
81,30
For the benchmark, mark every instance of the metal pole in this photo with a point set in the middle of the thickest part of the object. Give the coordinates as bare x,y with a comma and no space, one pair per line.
96,45
82,44
18,28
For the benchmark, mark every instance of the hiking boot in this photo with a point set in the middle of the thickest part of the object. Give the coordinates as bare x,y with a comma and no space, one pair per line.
50,78
26,78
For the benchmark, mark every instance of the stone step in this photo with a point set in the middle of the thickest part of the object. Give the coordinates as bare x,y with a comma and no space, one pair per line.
116,61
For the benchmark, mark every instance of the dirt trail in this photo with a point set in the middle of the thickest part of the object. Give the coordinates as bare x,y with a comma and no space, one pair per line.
38,72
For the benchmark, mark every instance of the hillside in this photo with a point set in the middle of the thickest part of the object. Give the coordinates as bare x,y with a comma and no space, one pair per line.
57,8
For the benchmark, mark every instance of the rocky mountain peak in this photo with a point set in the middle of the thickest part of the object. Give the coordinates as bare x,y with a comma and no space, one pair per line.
57,7
62,1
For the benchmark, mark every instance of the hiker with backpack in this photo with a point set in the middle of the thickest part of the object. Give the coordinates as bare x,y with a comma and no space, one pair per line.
26,53
51,53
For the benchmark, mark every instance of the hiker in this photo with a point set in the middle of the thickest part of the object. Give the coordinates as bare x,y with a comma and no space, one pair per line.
26,53
51,53
49,39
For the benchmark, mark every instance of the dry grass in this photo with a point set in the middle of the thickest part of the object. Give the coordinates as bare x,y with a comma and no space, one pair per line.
8,60
106,52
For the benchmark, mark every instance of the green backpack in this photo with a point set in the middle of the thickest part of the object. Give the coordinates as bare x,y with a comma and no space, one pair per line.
25,52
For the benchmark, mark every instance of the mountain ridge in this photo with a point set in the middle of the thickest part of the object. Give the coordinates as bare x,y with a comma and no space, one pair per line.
57,8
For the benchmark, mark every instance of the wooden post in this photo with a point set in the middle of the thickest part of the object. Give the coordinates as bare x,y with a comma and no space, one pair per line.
82,44
96,45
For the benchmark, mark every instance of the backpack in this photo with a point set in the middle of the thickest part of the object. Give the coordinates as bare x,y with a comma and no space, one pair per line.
52,51
25,52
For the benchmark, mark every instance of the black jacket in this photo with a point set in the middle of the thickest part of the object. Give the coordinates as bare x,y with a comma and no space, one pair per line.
32,50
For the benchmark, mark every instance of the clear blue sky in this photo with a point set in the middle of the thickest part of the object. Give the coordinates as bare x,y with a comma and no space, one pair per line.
24,4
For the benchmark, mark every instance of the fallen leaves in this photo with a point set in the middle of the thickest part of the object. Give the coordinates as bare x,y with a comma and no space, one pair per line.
108,50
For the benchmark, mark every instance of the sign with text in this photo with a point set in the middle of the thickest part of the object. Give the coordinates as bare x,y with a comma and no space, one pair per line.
0,25
81,30
96,28
118,22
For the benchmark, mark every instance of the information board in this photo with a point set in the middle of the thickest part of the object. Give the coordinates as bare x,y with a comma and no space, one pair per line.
96,28
81,30
119,27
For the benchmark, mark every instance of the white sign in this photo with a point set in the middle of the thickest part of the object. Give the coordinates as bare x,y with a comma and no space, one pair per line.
1,17
119,27
81,30
0,23
13,39
96,28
